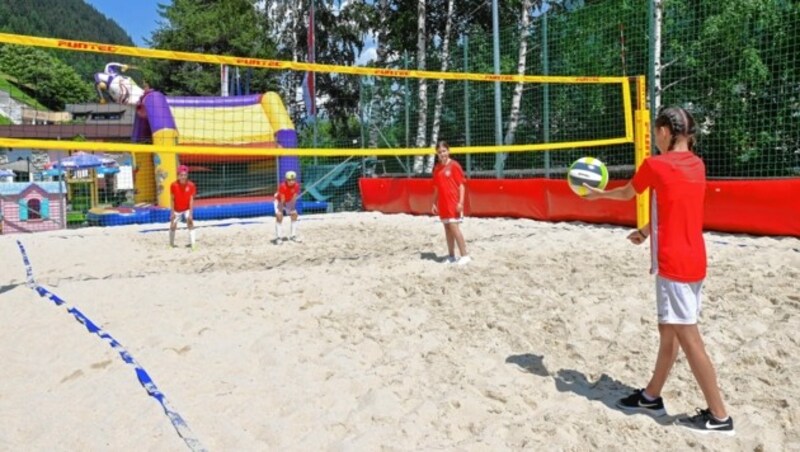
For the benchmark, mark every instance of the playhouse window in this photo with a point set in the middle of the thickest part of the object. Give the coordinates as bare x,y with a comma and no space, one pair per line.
34,209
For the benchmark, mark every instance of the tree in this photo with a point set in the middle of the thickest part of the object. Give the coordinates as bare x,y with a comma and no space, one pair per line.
437,108
64,19
513,117
230,27
733,64
377,112
422,120
55,84
339,37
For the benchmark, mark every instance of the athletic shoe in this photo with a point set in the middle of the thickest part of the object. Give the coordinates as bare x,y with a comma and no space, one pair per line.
295,239
703,422
450,260
277,241
464,260
636,403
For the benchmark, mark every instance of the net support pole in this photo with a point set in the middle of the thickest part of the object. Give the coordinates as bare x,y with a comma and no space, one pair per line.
166,164
408,113
467,131
500,157
641,144
546,95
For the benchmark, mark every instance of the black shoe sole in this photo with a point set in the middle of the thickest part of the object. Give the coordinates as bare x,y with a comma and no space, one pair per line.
648,411
708,432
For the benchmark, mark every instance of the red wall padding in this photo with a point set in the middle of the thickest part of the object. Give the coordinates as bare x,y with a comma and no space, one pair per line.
766,207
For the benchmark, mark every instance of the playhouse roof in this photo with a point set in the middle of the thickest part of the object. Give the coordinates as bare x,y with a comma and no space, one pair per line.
16,188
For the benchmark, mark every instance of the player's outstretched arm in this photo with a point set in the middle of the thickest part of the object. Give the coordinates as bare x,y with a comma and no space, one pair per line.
623,193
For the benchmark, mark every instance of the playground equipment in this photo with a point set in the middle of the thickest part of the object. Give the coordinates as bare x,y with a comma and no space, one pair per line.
82,192
251,121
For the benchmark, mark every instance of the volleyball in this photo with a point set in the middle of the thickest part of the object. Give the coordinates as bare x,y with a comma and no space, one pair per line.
589,171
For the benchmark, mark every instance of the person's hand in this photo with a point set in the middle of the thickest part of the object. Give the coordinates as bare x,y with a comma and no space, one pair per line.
434,209
593,193
460,207
637,237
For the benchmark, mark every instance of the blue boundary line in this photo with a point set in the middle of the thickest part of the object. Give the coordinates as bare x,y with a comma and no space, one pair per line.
144,378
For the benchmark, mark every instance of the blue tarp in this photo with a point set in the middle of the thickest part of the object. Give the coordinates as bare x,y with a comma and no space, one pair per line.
145,215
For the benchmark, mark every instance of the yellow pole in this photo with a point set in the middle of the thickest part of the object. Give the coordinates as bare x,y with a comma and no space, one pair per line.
642,148
93,188
166,164
144,181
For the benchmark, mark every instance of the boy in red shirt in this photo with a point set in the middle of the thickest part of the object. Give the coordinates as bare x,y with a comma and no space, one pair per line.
448,201
181,204
677,180
286,203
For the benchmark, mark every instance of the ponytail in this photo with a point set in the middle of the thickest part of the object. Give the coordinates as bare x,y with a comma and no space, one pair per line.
680,123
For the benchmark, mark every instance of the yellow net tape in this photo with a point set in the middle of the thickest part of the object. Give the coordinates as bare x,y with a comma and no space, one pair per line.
94,47
321,152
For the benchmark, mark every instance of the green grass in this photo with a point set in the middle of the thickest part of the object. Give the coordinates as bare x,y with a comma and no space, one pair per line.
19,95
4,121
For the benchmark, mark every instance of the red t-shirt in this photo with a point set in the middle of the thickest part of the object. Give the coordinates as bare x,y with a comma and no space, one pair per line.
182,194
287,193
678,183
447,178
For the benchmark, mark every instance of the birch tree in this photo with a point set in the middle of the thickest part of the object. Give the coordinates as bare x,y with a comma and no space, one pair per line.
658,11
422,120
437,110
516,100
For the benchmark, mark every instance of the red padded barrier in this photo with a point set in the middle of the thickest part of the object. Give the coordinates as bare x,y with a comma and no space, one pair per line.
770,207
564,205
764,207
516,198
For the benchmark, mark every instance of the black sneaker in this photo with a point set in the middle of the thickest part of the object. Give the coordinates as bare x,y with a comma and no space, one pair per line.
636,403
704,422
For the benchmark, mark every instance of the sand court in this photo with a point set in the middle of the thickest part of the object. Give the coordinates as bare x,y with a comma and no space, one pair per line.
360,339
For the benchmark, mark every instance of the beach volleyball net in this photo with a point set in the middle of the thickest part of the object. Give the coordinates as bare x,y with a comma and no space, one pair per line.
244,122
335,124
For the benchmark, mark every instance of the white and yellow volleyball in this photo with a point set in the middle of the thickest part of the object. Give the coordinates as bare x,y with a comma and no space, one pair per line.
589,171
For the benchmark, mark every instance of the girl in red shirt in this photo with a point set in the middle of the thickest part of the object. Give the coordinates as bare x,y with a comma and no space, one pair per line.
286,203
677,181
182,193
448,201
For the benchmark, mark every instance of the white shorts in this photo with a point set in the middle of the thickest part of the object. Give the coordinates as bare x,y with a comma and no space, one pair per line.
678,303
288,208
180,217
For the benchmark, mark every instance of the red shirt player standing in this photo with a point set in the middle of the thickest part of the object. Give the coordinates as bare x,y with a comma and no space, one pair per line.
181,205
677,180
449,186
